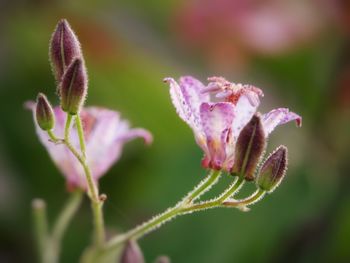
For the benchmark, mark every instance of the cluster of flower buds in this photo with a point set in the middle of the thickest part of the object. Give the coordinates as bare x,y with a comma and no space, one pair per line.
249,150
69,69
101,151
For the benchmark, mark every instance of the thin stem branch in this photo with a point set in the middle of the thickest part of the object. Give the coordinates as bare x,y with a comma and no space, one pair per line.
67,126
96,203
234,187
80,135
255,197
66,215
40,226
53,246
203,186
185,207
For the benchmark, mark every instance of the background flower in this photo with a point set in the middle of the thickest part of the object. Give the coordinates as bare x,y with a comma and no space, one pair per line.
105,135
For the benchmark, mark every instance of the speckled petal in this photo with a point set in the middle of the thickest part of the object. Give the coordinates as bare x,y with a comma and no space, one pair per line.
187,97
216,120
246,106
278,117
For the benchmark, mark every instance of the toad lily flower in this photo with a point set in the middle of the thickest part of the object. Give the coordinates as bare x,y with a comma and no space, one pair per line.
101,150
218,112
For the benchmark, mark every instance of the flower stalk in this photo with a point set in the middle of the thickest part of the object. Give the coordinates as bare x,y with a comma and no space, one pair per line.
187,206
40,226
96,203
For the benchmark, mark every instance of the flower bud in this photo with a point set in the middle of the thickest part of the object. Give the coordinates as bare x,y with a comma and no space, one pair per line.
64,47
44,113
273,170
132,253
249,148
73,87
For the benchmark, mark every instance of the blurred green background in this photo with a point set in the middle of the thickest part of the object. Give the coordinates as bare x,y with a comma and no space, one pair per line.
298,52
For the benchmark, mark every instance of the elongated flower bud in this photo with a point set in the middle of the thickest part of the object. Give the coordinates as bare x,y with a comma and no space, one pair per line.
249,148
73,87
44,113
132,253
64,47
273,170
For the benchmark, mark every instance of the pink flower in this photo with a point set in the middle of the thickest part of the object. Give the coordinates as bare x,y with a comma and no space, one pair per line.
218,112
105,135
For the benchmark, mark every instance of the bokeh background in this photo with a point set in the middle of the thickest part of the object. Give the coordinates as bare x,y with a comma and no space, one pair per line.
297,51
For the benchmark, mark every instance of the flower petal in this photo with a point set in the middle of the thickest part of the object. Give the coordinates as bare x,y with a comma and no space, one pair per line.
216,120
278,117
187,97
246,106
106,137
105,134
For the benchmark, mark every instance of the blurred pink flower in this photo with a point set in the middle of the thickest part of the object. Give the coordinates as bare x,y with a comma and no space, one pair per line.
217,120
105,135
227,31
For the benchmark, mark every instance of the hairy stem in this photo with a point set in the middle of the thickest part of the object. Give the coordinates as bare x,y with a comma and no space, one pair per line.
185,207
203,186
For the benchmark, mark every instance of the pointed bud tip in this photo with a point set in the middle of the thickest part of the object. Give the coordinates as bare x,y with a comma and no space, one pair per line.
64,47
273,169
44,113
249,148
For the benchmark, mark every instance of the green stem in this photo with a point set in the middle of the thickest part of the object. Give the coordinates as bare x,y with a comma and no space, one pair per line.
66,215
235,186
145,228
67,126
99,228
40,226
96,203
255,197
53,137
203,186
179,209
155,222
53,247
80,135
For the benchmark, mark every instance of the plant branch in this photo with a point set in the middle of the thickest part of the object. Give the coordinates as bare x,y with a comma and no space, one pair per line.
40,226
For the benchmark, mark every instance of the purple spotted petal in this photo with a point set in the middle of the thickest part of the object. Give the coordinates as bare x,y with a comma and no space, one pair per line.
105,134
216,120
187,98
246,106
278,117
